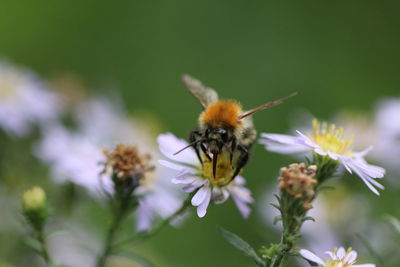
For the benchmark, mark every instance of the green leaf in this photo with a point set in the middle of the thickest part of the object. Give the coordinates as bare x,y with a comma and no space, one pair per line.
242,245
33,244
394,222
275,206
308,218
372,252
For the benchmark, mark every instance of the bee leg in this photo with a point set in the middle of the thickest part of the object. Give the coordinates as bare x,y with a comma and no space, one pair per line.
232,148
242,160
194,136
204,149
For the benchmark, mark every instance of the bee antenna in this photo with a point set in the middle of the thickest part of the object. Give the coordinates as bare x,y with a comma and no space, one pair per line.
189,145
266,105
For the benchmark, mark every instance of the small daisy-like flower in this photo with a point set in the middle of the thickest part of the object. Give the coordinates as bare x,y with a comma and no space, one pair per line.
24,101
75,156
338,258
195,176
327,140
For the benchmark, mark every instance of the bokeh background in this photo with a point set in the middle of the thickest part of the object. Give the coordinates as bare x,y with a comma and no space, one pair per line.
338,55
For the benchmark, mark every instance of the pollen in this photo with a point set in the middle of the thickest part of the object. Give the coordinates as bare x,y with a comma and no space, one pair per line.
222,113
330,138
224,171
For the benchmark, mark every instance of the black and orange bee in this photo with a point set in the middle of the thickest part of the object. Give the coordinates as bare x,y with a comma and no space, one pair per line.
223,125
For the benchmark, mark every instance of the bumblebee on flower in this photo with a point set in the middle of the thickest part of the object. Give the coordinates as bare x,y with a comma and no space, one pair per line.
199,178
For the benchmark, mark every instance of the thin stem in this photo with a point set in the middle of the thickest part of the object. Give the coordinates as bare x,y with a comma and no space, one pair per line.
146,235
117,219
44,252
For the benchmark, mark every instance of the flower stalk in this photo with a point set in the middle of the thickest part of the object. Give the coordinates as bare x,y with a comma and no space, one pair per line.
34,208
299,187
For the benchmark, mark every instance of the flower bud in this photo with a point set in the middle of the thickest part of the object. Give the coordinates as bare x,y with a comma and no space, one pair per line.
298,180
34,206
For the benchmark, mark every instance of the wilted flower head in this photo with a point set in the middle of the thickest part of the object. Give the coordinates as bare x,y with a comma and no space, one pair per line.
298,180
24,101
339,257
126,161
195,176
327,141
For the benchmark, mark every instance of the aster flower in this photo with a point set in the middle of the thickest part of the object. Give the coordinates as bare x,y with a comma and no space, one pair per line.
331,142
338,258
24,101
194,176
75,156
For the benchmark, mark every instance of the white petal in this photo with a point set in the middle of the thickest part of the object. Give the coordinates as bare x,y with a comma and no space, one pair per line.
362,170
364,265
200,195
186,180
284,144
351,257
171,165
364,152
202,208
311,256
170,144
341,253
306,140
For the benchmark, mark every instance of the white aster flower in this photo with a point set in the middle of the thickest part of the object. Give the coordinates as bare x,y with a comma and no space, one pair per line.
338,258
327,141
76,156
25,101
194,176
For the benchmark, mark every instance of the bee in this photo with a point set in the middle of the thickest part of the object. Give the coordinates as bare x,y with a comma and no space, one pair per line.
223,124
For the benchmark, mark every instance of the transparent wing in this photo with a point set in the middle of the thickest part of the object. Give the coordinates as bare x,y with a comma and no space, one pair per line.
265,106
202,93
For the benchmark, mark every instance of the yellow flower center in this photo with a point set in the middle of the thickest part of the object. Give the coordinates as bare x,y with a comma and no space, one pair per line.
224,170
330,138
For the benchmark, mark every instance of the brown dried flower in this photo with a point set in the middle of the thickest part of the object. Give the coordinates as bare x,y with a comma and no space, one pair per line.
298,180
124,161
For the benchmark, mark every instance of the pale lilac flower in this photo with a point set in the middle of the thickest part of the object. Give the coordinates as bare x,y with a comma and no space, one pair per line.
25,101
193,176
387,127
337,258
77,156
330,142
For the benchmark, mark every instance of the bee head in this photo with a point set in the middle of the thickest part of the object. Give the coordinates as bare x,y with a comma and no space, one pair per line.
216,138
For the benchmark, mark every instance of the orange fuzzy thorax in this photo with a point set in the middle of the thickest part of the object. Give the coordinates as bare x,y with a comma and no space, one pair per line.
222,113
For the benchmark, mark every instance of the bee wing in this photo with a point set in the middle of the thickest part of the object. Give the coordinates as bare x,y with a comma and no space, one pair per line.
265,106
202,93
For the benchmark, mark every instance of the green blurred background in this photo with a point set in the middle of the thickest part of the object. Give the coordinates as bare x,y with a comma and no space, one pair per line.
342,54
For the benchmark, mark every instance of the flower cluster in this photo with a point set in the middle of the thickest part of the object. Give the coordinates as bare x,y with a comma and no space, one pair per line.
298,180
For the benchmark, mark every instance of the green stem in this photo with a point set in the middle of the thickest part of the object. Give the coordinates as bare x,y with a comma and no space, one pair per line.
117,220
146,235
44,252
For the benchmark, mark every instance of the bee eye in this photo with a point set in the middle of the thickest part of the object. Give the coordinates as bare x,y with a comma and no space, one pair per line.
224,136
208,131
